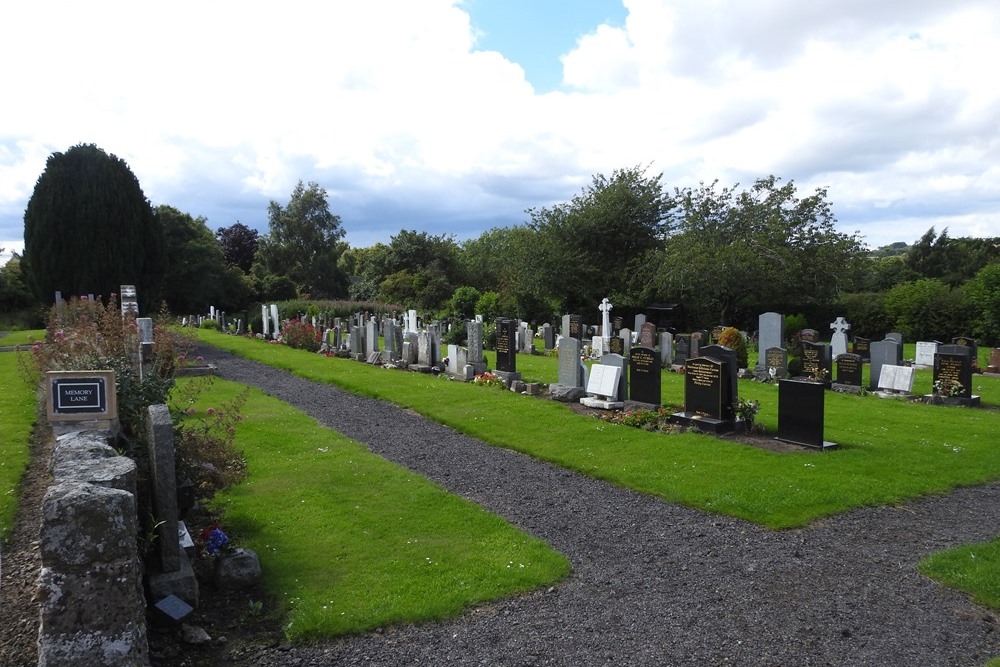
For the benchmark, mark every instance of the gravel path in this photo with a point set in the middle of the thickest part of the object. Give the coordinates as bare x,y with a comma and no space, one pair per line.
660,584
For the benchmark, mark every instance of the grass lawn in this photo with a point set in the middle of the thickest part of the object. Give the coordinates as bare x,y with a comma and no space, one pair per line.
350,542
26,337
973,568
890,450
17,415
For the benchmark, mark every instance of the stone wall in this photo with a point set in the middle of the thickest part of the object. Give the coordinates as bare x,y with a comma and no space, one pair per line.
92,605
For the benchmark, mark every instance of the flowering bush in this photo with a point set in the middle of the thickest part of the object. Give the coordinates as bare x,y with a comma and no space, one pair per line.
489,380
648,420
212,541
746,409
301,336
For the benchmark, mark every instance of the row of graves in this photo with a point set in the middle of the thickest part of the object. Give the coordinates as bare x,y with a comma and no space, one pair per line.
839,365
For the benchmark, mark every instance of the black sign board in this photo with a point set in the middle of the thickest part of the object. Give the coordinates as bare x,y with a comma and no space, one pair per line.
644,376
506,348
75,396
800,412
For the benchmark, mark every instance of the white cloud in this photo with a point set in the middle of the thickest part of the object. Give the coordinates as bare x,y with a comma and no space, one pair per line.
218,107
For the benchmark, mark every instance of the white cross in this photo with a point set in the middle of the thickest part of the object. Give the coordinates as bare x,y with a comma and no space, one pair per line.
605,309
840,326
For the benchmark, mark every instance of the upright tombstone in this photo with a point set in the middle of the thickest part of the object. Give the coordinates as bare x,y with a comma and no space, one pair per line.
505,348
371,338
966,341
640,319
882,352
411,321
647,334
548,336
425,351
644,376
862,347
474,343
809,336
730,389
605,307
993,367
776,358
770,333
683,349
275,321
265,322
849,373
838,341
800,413
698,338
617,324
953,376
389,337
817,361
570,385
129,300
619,362
160,438
528,340
356,342
896,336
626,337
616,345
925,353
706,406
666,349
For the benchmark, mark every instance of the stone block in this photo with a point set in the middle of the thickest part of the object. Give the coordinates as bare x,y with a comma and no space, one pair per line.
84,523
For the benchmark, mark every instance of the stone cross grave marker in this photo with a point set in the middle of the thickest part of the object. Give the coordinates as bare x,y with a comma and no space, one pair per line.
838,342
605,308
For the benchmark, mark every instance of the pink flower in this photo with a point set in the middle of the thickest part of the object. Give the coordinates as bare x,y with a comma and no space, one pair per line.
200,358
211,411
189,411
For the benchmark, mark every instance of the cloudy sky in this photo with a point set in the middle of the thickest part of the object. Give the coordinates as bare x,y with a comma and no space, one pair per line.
453,116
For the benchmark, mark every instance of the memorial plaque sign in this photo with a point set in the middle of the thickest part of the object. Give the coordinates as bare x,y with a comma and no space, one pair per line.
80,396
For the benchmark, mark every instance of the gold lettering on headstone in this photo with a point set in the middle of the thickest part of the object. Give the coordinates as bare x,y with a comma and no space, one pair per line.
704,375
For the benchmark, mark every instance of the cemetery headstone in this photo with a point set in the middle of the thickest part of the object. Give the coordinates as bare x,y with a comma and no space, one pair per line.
625,335
953,375
129,301
617,324
849,368
616,345
425,351
800,413
862,347
895,380
698,338
666,349
505,347
966,341
617,361
776,358
882,352
705,404
571,382
925,353
717,333
605,307
647,335
640,319
809,336
898,339
602,387
644,376
770,332
838,341
817,361
275,321
730,390
994,365
548,336
683,351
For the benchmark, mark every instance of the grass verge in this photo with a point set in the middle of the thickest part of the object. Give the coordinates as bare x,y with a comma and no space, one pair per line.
350,542
890,450
17,415
973,568
26,337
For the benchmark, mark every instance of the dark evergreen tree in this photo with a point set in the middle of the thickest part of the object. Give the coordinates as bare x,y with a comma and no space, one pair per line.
89,228
239,245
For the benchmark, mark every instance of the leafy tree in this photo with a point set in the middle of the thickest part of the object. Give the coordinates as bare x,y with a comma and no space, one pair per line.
983,295
464,300
732,253
88,228
197,275
14,292
239,244
927,309
596,244
953,261
302,243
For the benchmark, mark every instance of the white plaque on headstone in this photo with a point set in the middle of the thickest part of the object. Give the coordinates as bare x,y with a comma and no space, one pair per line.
603,381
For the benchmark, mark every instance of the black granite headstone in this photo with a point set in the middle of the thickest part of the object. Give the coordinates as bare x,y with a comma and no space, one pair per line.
506,347
951,367
862,347
800,412
776,358
703,387
730,391
817,361
849,367
644,376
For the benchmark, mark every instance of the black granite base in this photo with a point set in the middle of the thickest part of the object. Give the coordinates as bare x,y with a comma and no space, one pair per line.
703,423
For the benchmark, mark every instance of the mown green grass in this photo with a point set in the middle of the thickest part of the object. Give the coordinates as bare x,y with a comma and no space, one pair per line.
974,568
17,417
350,542
890,450
26,337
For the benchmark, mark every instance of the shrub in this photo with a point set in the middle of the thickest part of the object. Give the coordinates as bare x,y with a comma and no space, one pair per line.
795,323
733,339
301,336
209,323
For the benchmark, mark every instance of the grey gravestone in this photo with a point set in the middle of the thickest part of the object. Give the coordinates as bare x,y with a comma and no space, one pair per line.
644,376
882,352
548,336
625,335
569,363
576,327
776,358
896,336
717,333
389,336
800,413
425,349
683,349
647,335
698,338
849,367
640,319
862,347
838,341
160,436
770,332
925,353
817,361
666,349
505,348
